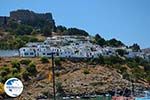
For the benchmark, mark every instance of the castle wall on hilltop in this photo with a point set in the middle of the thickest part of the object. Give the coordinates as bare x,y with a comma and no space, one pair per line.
3,20
26,15
37,20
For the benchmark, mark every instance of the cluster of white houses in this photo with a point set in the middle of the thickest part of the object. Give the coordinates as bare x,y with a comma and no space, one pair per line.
70,47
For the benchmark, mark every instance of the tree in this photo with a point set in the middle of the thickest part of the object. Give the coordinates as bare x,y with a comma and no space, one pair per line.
113,60
76,31
33,39
99,60
24,30
60,29
135,47
12,24
114,43
121,52
99,40
47,31
147,67
44,60
34,32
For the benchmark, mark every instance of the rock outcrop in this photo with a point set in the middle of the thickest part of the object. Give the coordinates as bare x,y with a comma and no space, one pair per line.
36,20
32,18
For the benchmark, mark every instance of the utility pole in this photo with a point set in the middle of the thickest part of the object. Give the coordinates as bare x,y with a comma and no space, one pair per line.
53,71
132,87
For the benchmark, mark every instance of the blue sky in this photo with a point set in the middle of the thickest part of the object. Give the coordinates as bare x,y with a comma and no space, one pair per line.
126,20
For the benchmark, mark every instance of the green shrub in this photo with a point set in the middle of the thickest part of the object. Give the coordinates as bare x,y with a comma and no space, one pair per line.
7,69
33,39
31,69
86,71
57,74
148,78
126,75
59,88
25,75
25,61
57,61
16,64
97,83
16,75
147,67
117,66
121,52
99,60
132,64
123,69
113,60
44,60
14,70
138,73
4,71
1,79
10,76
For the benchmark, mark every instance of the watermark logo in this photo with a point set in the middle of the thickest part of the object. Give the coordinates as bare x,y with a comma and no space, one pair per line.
13,87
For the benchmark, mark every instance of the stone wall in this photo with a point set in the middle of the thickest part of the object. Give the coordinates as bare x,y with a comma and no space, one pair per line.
3,20
32,18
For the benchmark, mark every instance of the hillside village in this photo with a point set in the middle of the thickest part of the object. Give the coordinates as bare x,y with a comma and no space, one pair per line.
22,26
75,47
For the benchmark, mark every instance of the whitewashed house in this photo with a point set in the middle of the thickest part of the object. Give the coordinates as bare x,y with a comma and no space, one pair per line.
28,52
46,50
109,51
66,52
67,46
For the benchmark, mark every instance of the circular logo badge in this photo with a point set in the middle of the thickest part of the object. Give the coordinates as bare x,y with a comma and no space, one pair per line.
13,87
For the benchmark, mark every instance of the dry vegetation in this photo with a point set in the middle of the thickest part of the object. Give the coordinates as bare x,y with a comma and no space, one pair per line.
71,77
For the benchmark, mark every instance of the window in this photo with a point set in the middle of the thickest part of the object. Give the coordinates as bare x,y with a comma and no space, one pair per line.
43,53
25,53
48,53
31,53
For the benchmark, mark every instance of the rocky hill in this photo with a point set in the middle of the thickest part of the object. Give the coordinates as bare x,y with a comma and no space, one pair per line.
32,18
26,15
73,77
37,20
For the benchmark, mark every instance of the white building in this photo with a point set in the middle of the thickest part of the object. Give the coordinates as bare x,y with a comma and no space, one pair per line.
70,46
28,52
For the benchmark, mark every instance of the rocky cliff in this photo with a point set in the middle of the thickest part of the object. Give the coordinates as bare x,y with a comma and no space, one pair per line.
3,20
37,20
32,18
